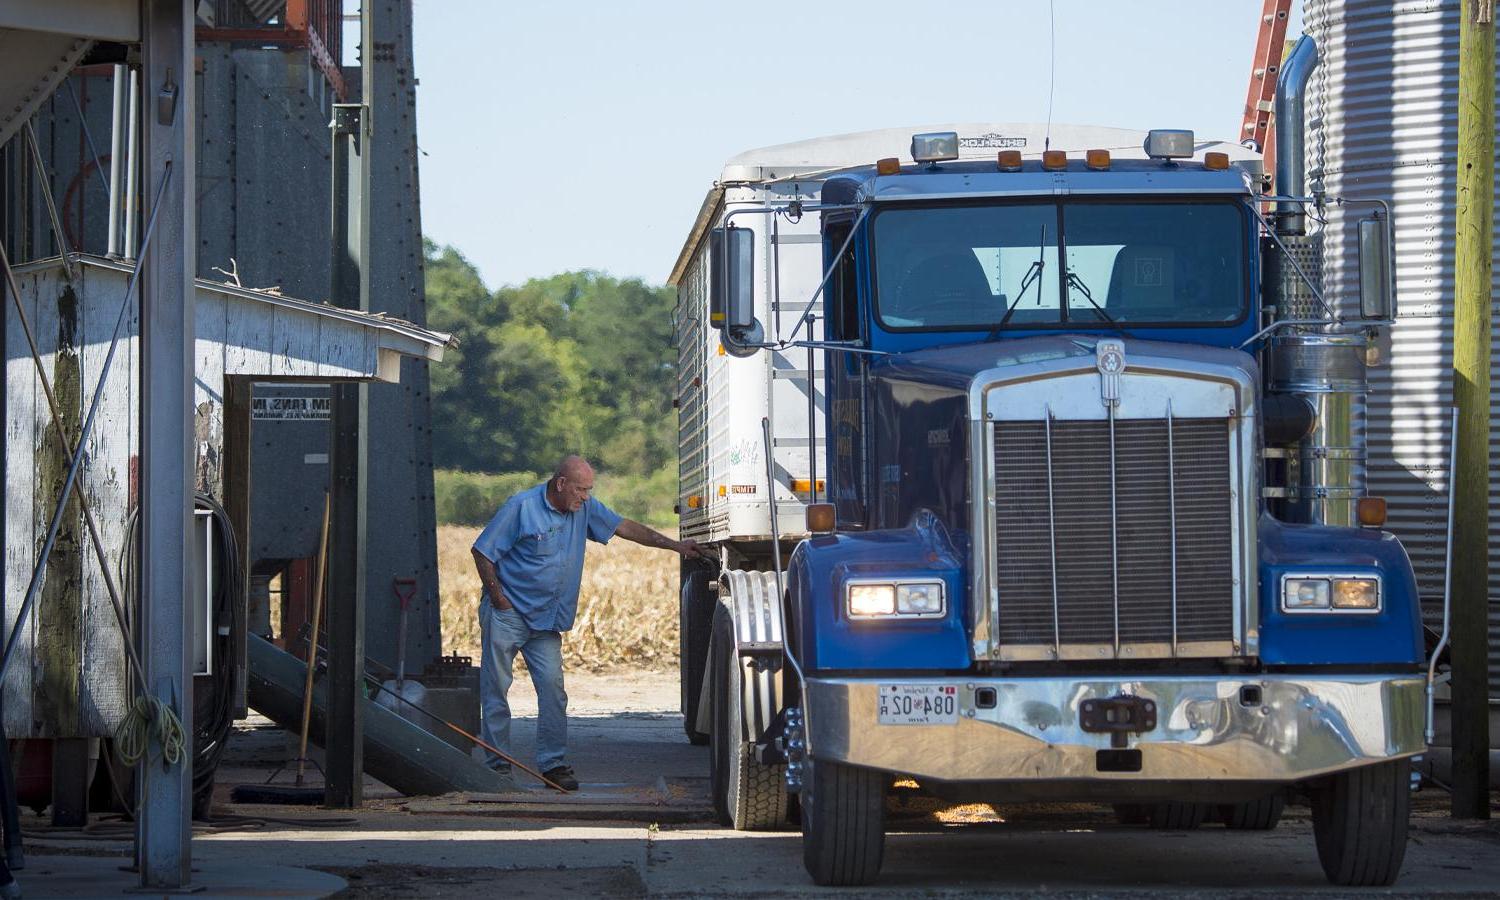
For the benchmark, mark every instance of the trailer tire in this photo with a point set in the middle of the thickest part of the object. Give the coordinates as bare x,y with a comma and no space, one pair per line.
1257,815
695,618
843,823
748,796
1176,815
1360,820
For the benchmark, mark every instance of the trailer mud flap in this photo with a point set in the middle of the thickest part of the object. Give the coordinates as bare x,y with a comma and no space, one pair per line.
755,609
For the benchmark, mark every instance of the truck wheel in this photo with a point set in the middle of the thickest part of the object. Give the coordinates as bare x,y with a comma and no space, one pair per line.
695,623
747,795
1257,815
1176,815
1132,813
1360,821
843,823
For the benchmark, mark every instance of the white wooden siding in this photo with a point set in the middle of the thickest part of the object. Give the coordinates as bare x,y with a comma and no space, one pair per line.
239,332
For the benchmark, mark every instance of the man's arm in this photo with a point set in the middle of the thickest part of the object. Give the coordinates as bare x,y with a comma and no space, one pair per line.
490,578
631,530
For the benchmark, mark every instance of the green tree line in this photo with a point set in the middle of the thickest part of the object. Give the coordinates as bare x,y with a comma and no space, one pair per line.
578,362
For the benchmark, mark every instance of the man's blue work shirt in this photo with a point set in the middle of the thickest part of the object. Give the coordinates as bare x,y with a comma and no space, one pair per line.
538,552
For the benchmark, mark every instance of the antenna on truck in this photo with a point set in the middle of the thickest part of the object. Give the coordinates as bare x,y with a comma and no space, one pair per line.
1051,68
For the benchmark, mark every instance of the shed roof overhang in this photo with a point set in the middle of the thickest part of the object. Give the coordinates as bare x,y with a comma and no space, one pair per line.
268,335
40,43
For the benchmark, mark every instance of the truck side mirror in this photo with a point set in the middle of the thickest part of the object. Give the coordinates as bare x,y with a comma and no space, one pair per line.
731,292
1376,300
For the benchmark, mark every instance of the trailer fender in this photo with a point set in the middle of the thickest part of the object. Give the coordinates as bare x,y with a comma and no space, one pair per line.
755,609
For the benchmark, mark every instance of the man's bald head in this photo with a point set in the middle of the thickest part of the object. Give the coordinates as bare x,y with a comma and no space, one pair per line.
573,466
571,483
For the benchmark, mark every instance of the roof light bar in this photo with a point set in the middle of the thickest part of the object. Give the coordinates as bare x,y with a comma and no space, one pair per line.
934,146
1169,143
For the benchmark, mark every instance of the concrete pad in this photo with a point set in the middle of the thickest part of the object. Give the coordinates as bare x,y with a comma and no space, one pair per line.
398,839
102,876
528,846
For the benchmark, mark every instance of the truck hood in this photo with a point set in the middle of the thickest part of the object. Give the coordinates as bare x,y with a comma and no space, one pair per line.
955,366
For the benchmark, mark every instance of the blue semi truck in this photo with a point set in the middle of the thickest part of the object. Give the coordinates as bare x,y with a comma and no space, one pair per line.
1035,466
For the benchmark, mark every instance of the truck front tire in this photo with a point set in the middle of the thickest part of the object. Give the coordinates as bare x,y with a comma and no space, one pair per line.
1360,823
747,795
843,823
695,625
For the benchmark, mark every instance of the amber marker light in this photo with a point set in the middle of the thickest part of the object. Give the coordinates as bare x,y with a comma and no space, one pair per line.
888,166
694,501
820,518
1098,160
1216,161
803,485
1054,160
1371,511
1009,160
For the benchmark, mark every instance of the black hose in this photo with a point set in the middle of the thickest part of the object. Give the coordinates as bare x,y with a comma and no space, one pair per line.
213,720
211,731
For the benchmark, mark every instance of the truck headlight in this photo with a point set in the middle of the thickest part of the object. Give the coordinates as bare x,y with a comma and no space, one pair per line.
896,599
867,600
1356,593
919,599
1330,593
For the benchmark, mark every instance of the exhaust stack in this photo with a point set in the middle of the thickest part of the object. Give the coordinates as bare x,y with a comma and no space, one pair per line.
1291,135
1322,365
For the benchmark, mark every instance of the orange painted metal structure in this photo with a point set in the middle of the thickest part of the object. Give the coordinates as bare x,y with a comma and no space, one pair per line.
316,25
1270,42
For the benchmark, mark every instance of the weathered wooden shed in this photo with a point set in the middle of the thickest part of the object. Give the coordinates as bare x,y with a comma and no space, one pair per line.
70,677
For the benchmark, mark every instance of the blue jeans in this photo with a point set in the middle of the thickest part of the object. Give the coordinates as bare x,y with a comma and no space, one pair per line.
503,633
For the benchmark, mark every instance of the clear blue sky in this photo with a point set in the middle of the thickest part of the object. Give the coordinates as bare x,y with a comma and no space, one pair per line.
562,136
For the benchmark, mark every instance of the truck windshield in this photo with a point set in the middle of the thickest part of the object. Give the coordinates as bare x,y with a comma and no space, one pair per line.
1050,265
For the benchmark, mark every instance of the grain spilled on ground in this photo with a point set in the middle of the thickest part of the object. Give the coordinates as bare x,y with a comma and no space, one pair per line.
627,607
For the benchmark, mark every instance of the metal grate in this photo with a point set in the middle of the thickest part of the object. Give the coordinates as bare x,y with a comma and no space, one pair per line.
1090,527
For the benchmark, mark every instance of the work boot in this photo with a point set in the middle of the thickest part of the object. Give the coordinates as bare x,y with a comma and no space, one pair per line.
507,784
562,776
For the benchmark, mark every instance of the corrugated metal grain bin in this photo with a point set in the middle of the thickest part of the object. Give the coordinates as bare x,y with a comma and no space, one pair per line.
1383,123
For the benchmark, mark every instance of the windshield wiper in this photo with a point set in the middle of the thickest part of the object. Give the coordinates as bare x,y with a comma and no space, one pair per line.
1073,281
1033,276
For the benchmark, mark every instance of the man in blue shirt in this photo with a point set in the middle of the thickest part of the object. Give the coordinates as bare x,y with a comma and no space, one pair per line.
530,560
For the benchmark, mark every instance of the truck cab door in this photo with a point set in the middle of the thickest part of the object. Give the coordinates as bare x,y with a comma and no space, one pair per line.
847,378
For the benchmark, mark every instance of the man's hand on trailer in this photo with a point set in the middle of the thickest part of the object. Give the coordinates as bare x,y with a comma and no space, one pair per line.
632,530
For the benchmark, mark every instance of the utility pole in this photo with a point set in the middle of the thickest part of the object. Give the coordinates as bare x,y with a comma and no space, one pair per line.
1471,392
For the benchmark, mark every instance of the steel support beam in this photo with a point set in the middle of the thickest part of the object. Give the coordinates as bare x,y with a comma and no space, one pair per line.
164,827
350,469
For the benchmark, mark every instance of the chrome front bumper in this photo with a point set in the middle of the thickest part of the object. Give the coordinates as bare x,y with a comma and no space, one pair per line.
1302,727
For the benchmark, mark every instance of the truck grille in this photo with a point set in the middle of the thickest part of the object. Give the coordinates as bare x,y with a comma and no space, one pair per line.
1088,540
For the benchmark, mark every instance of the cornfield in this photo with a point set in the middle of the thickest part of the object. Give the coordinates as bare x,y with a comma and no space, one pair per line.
627,606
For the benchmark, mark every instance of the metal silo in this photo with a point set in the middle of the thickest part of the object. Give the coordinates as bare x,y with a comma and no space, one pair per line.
1383,123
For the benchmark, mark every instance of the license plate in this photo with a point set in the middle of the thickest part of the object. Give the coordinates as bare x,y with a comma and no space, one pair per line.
918,704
